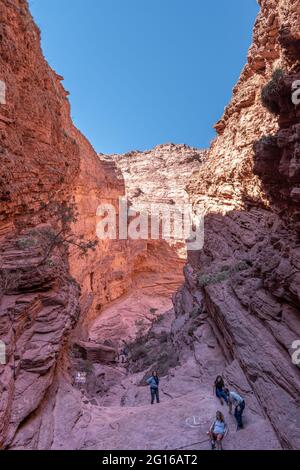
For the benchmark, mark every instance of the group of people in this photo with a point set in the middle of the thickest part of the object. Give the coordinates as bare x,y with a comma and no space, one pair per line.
219,428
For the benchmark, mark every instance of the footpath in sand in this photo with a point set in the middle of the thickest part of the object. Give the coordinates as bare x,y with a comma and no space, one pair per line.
123,418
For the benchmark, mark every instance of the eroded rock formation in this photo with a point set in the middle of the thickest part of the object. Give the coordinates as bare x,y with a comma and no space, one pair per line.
42,301
156,177
43,158
250,197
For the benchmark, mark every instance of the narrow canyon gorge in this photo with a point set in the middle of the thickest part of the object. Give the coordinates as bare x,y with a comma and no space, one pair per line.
113,313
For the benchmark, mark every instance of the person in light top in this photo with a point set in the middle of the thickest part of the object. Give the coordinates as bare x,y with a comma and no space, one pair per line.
218,431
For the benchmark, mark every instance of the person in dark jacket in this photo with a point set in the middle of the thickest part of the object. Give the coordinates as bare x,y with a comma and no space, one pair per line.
153,381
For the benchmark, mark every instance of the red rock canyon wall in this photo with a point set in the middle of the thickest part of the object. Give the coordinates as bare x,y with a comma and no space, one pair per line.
249,186
244,283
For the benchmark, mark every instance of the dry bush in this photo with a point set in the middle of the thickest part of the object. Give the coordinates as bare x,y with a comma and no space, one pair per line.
271,92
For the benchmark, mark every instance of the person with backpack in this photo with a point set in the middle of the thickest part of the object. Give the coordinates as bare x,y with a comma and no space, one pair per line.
219,389
218,431
234,399
153,381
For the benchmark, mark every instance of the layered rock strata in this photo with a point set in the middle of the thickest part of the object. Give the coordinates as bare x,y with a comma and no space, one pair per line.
249,186
238,310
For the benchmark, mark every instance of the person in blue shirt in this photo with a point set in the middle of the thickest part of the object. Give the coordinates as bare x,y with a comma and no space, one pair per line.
234,399
153,381
218,431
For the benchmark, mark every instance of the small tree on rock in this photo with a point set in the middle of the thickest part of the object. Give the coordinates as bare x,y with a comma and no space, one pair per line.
61,235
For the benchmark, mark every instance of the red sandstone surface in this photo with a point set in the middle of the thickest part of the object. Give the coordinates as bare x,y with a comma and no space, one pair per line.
131,306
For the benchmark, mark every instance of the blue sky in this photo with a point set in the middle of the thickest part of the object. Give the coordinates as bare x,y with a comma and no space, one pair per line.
146,72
